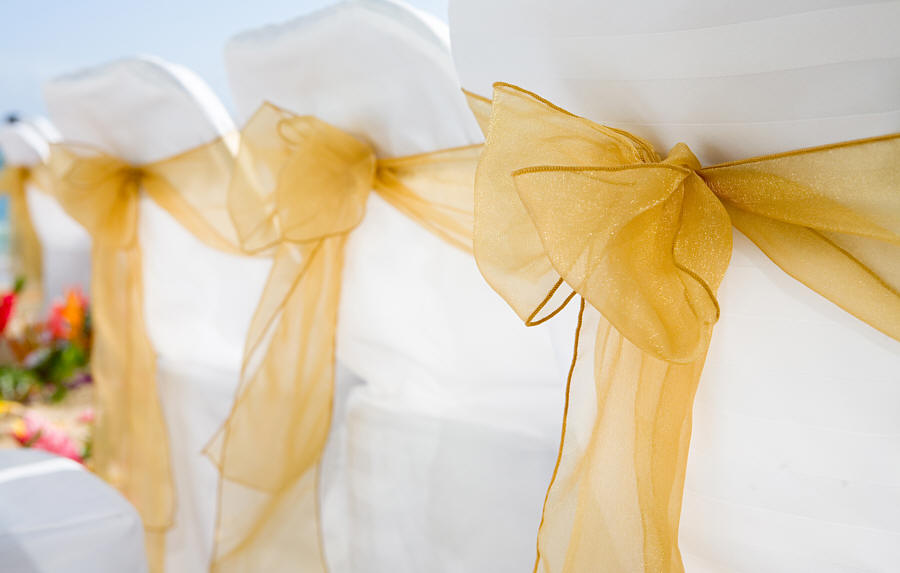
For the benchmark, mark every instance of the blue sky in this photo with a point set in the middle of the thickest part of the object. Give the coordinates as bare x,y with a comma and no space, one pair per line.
44,38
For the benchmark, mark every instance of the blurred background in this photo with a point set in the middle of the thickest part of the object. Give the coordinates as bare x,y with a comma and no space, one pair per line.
45,38
42,39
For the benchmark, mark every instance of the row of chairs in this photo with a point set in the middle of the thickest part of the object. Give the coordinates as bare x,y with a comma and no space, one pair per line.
448,411
433,344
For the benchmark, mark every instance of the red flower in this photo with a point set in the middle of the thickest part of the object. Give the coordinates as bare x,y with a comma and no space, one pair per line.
7,304
57,324
66,320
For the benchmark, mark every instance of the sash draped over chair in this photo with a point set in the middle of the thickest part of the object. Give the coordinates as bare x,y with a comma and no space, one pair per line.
25,247
101,192
299,188
565,207
296,189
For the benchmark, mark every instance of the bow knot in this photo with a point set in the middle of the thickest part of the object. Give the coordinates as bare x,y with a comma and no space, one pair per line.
643,240
100,191
12,179
309,182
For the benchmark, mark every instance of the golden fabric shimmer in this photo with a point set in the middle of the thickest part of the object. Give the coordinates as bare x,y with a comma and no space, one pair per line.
25,246
299,188
645,242
295,190
130,441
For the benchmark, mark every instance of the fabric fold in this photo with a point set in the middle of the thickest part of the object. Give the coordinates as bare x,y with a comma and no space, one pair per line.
25,246
298,190
645,241
292,189
102,192
130,439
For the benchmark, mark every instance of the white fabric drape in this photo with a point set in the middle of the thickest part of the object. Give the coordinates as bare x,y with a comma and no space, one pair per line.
198,301
432,460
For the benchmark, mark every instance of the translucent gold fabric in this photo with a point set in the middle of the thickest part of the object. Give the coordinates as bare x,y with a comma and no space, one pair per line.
101,192
295,190
299,188
25,246
566,207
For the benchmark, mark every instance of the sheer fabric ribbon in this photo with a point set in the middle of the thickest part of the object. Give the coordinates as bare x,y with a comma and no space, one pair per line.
102,192
24,242
567,207
299,188
295,190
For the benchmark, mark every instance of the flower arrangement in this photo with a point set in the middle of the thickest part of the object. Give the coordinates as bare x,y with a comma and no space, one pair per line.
33,431
45,359
40,363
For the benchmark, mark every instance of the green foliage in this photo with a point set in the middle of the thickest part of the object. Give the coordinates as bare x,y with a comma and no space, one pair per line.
17,384
48,376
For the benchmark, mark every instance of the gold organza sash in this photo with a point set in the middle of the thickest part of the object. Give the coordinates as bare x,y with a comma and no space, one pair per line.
25,246
102,193
299,188
295,190
644,241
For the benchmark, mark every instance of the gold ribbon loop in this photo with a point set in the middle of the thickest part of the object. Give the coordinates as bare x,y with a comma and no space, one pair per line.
643,264
100,192
628,232
298,179
333,171
646,242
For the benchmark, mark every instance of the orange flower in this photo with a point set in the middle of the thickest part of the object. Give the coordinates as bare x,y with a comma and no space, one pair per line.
73,310
66,320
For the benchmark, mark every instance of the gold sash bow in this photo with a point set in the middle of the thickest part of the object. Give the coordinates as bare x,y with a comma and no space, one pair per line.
130,439
299,188
645,242
25,246
102,192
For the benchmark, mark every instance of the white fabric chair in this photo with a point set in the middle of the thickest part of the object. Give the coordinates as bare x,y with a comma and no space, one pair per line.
794,458
198,301
446,449
65,245
56,517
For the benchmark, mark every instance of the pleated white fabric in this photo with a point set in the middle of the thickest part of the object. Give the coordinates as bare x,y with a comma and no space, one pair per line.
55,517
198,301
65,245
441,455
794,459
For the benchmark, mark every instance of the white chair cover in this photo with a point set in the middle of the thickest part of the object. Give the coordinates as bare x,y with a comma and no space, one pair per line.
55,517
445,451
198,301
65,245
793,462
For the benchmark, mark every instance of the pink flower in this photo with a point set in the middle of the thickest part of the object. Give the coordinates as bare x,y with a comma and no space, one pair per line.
34,432
86,416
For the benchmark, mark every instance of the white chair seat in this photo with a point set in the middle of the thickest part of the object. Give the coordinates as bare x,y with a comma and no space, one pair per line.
56,517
